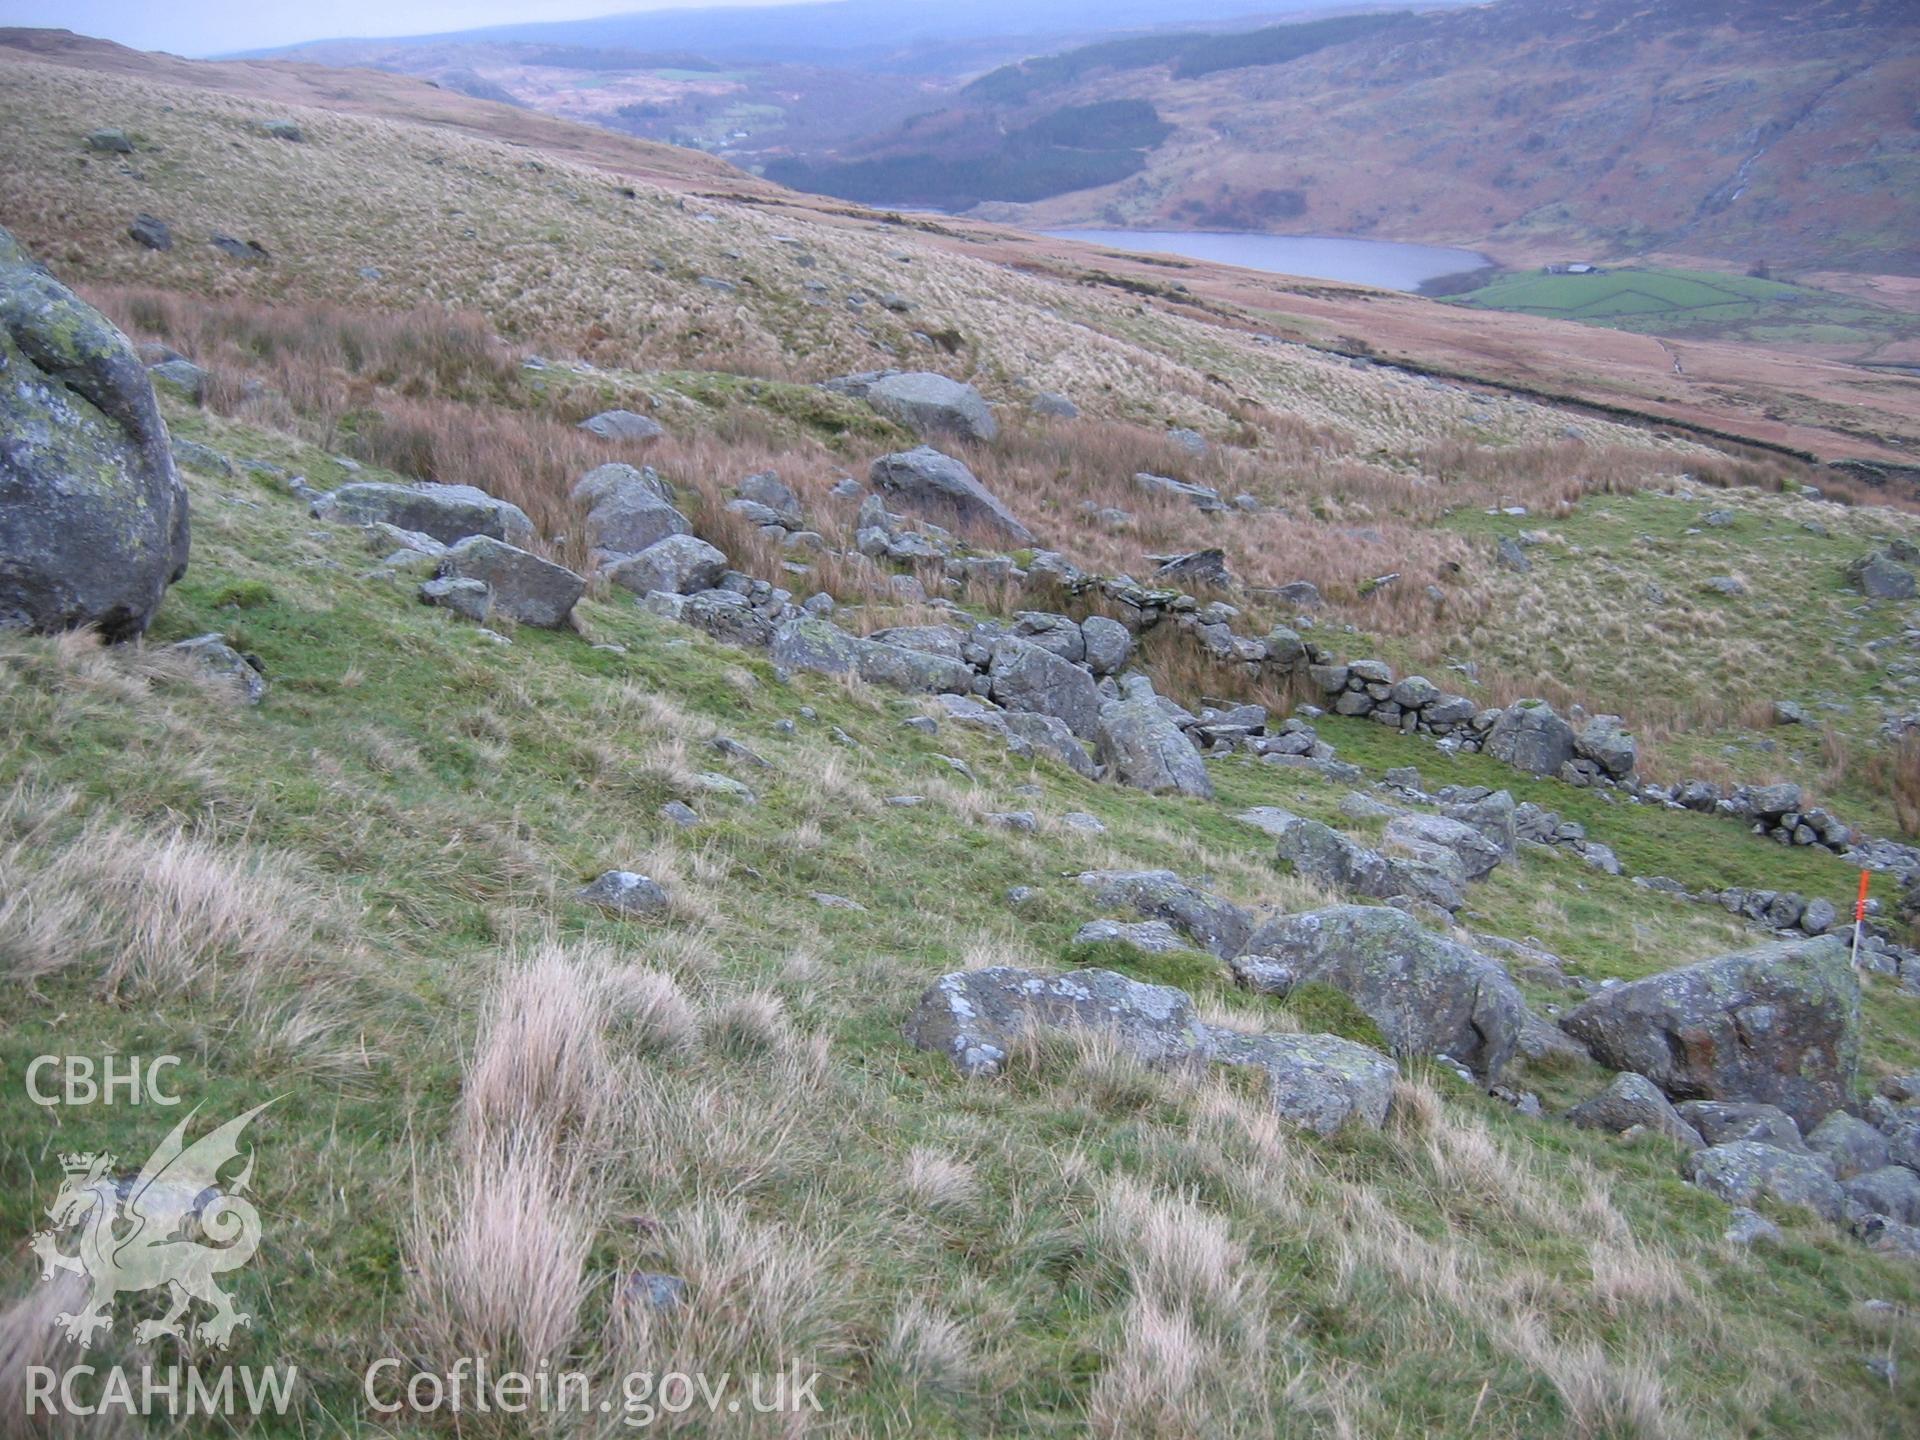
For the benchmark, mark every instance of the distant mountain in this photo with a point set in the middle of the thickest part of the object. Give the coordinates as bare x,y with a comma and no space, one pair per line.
1743,130
866,32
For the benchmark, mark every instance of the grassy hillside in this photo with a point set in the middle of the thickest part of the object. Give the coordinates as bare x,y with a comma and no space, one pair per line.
493,1104
1700,303
380,860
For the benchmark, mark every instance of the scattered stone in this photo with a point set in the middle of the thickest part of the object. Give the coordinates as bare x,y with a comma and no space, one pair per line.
679,813
623,425
678,564
626,893
243,674
1750,1227
110,142
932,405
1153,937
655,1291
1428,994
152,232
1721,1122
836,902
1878,577
1211,923
180,378
469,599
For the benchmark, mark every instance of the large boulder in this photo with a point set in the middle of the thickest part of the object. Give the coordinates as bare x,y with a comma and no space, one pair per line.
1023,731
1779,1024
93,517
629,511
1107,643
1746,1171
1606,743
1530,736
817,645
677,565
524,587
1215,925
976,1017
1428,994
1026,676
930,483
447,513
932,404
1141,746
1879,577
1418,871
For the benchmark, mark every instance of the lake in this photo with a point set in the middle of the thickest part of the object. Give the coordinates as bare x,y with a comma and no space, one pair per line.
1385,263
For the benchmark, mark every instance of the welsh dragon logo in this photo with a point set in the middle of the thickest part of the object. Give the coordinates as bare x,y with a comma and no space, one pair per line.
132,1233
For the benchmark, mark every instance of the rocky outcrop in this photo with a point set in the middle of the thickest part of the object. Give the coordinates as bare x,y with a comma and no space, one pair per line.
1778,1024
1026,676
1428,994
976,1017
930,483
676,565
1416,871
94,524
629,511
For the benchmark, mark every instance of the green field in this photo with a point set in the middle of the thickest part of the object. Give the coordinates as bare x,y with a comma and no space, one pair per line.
1697,303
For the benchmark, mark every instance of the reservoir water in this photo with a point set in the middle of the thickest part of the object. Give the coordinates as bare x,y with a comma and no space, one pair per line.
1385,263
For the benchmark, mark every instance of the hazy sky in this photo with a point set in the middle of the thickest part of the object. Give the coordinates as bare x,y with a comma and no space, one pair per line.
213,27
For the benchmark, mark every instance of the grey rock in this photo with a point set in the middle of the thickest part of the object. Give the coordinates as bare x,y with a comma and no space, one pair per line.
1108,644
243,674
1531,737
1890,1190
627,514
655,1291
469,599
180,378
110,142
1878,578
448,513
1477,854
94,523
932,404
1215,925
1721,1122
152,232
1201,497
975,1017
1421,871
1196,567
939,485
1054,406
1746,1171
1428,994
1633,1100
623,425
616,476
680,814
1153,937
526,588
1777,1024
1750,1227
726,616
1511,556
1853,1146
1606,744
626,893
1026,677
677,565
1143,747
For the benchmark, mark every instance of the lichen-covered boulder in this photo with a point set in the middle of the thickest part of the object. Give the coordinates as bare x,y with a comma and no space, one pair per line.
1530,736
975,1018
1746,1171
1215,925
1141,746
93,517
1428,994
933,404
1778,1024
809,643
1418,870
1477,854
1025,676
